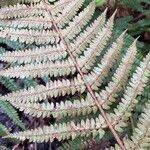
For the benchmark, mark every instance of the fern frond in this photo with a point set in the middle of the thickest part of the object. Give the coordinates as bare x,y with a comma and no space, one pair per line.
75,144
141,136
38,22
3,130
120,77
58,110
79,22
84,106
44,53
31,22
9,83
59,6
89,33
72,44
21,10
96,46
11,112
135,88
12,44
65,67
53,89
140,139
63,131
98,73
40,69
68,13
30,36
56,8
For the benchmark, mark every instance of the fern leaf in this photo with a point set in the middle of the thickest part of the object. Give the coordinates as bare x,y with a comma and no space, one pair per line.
38,22
59,68
135,87
40,69
62,131
101,71
3,130
141,135
119,78
69,12
68,33
21,10
56,8
45,53
9,83
11,112
89,33
59,6
96,46
58,110
79,22
84,106
52,89
30,36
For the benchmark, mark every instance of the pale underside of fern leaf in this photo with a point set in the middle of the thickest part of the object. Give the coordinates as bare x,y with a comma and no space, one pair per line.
66,43
83,106
94,126
30,36
80,43
58,68
135,88
52,53
33,70
119,78
45,53
141,136
37,23
21,10
61,88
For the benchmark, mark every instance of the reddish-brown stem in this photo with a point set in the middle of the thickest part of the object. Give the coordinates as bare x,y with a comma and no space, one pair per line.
87,85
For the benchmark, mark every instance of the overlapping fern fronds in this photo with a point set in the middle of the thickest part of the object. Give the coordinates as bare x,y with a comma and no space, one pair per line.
76,53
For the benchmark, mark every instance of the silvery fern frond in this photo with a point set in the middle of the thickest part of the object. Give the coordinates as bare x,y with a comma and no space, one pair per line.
76,53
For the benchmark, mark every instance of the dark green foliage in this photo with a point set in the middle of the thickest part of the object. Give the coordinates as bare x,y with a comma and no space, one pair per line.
138,5
139,25
75,144
28,82
3,130
11,44
9,83
11,112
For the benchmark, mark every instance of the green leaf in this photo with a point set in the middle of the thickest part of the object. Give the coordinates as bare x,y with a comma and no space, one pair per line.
3,130
11,112
100,2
